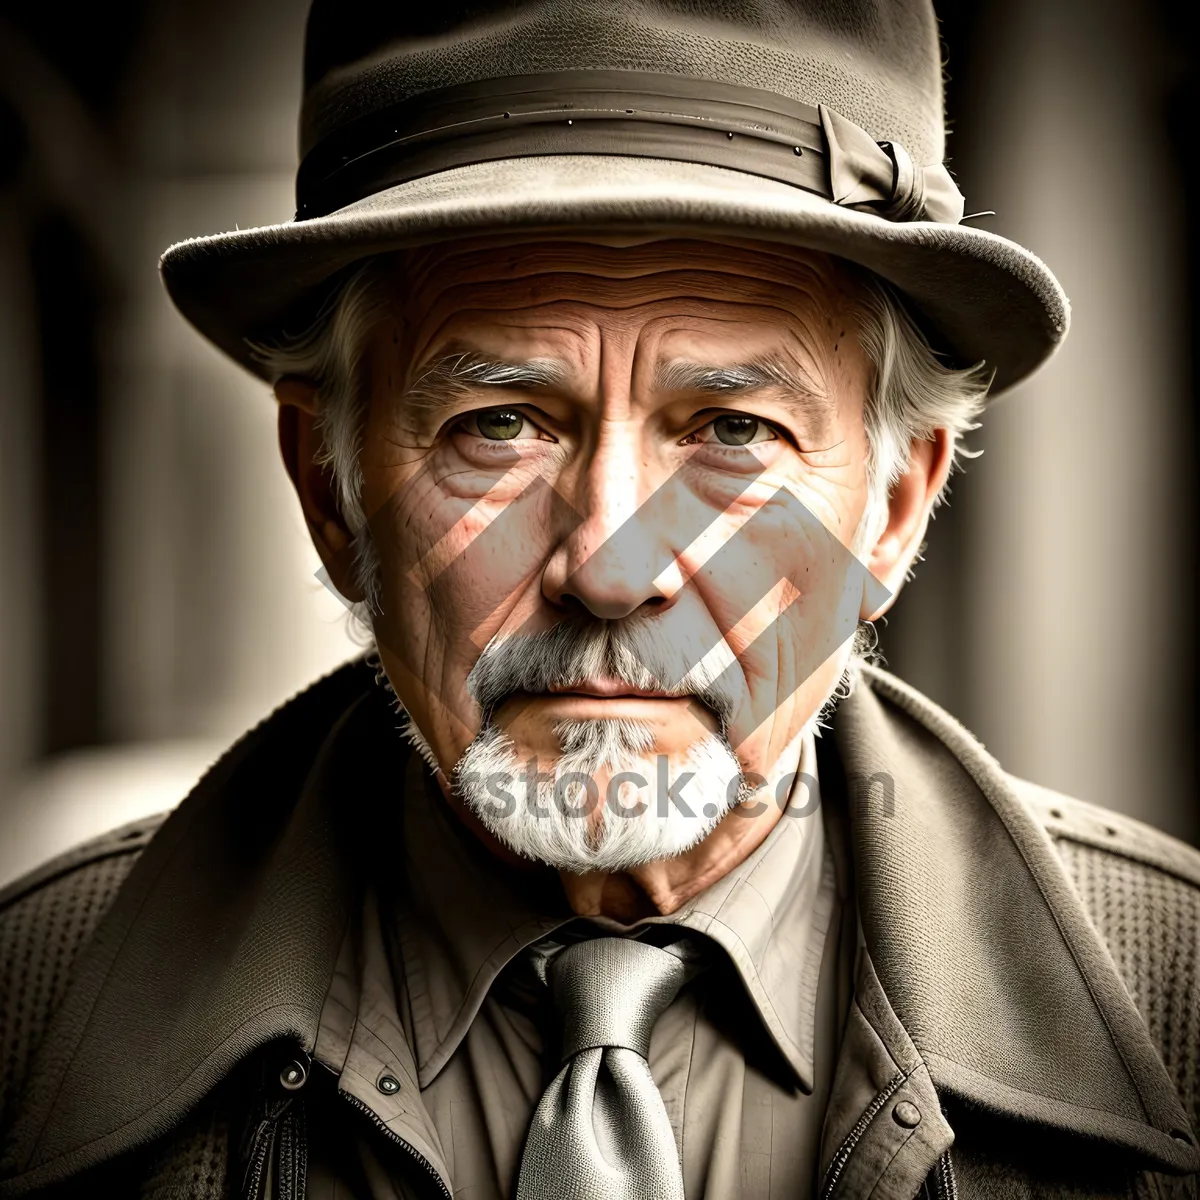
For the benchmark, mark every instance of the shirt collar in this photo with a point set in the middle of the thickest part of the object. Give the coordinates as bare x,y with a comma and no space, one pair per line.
463,917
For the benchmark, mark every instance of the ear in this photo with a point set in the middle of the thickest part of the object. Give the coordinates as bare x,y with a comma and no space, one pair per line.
300,446
909,505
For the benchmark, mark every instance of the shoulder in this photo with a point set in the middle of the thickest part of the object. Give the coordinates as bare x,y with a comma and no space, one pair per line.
286,731
45,918
48,915
1068,821
1139,886
49,912
1141,891
107,856
1109,834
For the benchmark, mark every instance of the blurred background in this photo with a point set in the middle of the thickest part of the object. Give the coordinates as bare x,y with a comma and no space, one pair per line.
158,592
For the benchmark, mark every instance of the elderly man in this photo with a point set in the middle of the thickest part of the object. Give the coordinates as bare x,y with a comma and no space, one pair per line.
622,353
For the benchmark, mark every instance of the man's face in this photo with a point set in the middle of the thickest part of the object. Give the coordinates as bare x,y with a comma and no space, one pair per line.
611,490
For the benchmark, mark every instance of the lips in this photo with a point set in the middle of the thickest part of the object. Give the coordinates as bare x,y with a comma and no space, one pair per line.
610,689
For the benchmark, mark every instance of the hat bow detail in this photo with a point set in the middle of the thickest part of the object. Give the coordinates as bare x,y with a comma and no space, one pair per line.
880,177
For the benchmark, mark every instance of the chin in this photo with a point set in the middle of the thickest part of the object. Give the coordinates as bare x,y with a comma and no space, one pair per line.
611,800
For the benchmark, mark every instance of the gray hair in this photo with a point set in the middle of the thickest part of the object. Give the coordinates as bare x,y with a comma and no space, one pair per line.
914,392
331,352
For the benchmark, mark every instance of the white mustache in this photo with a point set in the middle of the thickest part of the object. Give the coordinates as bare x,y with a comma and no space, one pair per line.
634,651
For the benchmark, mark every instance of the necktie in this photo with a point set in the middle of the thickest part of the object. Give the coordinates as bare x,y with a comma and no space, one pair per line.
600,1130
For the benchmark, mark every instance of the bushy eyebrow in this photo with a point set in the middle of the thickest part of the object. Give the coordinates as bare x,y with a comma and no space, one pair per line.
811,403
682,375
447,377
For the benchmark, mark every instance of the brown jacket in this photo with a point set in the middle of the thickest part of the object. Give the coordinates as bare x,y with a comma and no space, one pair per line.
1030,979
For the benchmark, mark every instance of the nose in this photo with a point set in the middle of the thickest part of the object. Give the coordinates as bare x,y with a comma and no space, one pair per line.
618,559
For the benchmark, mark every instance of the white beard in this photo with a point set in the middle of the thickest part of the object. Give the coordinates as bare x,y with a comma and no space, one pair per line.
547,820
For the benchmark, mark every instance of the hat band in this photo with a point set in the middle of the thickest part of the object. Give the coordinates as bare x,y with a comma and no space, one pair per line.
627,113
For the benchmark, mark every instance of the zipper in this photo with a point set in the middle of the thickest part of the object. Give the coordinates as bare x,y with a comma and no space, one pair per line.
944,1185
291,1156
262,1146
417,1157
838,1165
255,1167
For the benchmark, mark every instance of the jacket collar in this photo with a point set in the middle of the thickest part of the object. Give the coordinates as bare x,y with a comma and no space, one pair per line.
979,941
227,932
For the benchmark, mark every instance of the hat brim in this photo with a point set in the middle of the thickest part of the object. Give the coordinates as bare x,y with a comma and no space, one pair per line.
982,298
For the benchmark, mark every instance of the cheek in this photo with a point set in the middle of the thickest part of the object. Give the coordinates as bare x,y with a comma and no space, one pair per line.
454,569
771,555
447,584
762,744
785,593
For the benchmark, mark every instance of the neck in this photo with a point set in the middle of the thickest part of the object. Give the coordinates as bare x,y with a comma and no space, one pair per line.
662,887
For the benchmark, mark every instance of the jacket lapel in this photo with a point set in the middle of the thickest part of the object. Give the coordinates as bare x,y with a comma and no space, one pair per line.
979,943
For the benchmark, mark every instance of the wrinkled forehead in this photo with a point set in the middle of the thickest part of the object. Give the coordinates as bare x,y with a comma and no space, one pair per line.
621,280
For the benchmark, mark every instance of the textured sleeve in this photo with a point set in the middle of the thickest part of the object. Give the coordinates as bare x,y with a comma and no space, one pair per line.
1150,919
1141,890
45,920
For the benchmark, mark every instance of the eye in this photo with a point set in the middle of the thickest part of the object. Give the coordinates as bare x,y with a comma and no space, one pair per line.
735,429
485,431
738,431
499,424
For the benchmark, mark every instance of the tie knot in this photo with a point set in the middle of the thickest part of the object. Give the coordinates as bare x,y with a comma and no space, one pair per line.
610,991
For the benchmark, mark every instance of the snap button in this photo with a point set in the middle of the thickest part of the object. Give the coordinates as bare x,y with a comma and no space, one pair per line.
906,1114
389,1085
293,1076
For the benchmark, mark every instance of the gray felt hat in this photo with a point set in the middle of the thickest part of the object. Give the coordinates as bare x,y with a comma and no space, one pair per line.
812,123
